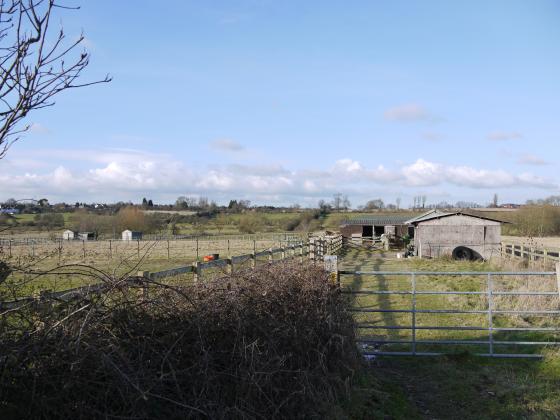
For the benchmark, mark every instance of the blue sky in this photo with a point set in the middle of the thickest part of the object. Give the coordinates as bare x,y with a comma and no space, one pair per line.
284,102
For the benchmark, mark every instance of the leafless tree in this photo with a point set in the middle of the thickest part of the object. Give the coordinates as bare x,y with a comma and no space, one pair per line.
36,64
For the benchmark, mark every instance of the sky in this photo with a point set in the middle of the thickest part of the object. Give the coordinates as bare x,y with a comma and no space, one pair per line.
291,102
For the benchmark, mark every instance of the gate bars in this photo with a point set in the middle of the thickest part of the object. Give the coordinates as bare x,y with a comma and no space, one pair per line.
491,312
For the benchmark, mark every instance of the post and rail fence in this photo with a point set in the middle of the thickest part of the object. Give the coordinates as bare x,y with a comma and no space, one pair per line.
314,249
530,252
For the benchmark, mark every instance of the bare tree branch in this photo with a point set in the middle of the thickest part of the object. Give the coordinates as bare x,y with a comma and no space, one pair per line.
35,66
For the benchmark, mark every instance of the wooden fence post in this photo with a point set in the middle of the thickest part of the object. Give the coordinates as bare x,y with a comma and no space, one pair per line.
270,256
197,271
312,249
168,253
253,260
558,277
229,265
301,252
84,248
146,276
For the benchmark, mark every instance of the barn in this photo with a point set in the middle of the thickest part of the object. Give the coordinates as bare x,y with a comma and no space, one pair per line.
375,226
459,235
130,235
68,235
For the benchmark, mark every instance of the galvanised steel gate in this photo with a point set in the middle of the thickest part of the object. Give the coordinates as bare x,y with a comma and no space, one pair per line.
543,287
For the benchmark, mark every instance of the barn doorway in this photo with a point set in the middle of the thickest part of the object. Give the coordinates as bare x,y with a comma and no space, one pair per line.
464,253
367,231
379,230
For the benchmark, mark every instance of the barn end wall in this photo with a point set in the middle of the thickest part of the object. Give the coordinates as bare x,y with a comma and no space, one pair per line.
440,237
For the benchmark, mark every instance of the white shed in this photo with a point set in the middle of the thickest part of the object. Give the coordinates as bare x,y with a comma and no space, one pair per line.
130,235
68,235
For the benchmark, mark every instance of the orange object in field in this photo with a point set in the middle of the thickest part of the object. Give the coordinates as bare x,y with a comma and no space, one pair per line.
207,258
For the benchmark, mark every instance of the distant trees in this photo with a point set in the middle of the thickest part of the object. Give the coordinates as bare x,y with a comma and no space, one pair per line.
495,201
200,203
553,200
49,220
541,220
237,206
35,66
420,202
376,204
340,202
250,224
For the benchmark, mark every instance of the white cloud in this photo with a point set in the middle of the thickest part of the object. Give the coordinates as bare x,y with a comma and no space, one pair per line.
504,135
114,175
347,165
529,159
408,113
37,128
226,145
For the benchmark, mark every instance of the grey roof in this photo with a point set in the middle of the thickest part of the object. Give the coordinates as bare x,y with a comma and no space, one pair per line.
379,220
432,214
436,214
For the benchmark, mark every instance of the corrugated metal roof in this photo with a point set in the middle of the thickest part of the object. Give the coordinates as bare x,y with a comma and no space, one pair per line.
380,220
436,214
432,214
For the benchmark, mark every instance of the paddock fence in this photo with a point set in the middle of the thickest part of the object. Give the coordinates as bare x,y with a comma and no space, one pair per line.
200,270
530,253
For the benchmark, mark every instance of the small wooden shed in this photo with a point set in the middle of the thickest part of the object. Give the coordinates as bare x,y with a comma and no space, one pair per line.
459,235
68,235
130,235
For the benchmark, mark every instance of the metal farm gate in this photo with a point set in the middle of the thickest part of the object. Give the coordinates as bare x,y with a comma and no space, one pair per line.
491,314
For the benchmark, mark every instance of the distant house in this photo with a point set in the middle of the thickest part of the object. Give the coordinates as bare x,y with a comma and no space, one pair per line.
86,236
68,235
9,211
130,235
459,235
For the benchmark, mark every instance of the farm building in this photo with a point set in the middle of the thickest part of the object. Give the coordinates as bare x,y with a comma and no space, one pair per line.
460,235
86,236
130,235
68,235
375,226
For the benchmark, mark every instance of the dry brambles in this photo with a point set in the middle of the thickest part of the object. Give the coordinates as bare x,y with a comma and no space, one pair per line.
276,342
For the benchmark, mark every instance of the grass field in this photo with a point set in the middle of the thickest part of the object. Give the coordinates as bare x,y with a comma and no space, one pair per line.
116,258
546,242
460,385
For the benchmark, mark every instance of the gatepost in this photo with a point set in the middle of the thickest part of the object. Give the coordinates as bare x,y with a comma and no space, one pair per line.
331,265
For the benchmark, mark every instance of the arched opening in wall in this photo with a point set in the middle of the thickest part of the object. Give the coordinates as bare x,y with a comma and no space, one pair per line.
465,253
